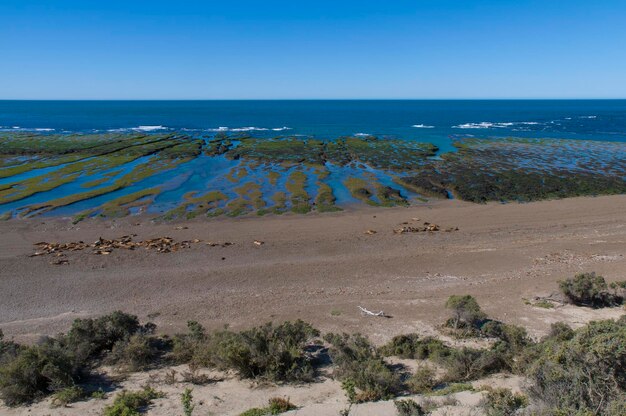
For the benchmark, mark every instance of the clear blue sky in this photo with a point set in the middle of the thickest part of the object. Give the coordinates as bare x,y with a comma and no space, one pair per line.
137,49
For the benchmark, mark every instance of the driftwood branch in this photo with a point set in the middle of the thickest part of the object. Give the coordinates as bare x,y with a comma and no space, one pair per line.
370,313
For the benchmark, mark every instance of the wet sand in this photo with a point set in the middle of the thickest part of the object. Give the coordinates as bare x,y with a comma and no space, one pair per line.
317,267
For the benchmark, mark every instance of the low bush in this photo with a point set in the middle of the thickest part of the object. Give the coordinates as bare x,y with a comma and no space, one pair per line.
466,313
588,289
88,338
422,381
188,348
68,395
30,373
467,364
512,341
412,346
364,374
35,372
586,372
129,403
137,353
560,331
451,389
186,399
274,353
8,349
408,407
275,406
502,402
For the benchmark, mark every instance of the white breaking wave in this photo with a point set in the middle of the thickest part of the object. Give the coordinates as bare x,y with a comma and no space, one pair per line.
588,117
422,126
252,128
148,128
18,128
490,125
481,125
362,134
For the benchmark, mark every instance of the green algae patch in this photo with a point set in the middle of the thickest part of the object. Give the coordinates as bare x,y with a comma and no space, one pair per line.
426,183
293,150
373,193
525,169
72,171
208,204
298,196
280,203
359,189
272,177
237,173
49,153
218,147
120,207
325,199
140,172
392,154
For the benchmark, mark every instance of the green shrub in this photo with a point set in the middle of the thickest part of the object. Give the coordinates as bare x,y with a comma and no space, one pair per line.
275,406
131,403
502,402
466,312
359,366
588,289
560,332
422,381
189,348
412,346
8,349
275,353
98,394
584,373
512,340
408,407
278,405
35,372
137,353
452,388
467,364
68,395
187,401
88,338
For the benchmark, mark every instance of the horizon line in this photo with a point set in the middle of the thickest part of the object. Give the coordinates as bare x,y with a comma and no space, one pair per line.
318,99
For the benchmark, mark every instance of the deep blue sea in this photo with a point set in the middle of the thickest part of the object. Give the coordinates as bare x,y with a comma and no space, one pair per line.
436,121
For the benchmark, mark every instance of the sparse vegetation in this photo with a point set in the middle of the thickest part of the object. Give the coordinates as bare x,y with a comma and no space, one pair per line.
423,380
408,407
589,289
583,372
132,403
412,346
571,371
186,399
274,353
68,395
502,402
275,406
364,374
466,313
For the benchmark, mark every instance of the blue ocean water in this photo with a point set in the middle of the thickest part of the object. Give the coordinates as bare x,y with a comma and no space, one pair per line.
435,121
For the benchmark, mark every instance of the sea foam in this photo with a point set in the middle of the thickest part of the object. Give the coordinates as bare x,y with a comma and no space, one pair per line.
422,126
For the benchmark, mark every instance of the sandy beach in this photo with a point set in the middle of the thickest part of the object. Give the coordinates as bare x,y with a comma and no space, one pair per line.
319,268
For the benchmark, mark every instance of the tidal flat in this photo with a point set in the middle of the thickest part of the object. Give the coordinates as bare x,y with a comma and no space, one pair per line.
172,175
